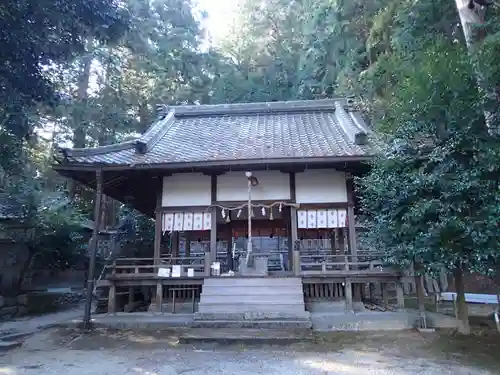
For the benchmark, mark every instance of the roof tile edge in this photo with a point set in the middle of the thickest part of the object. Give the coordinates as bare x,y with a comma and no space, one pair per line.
262,107
156,132
79,152
351,125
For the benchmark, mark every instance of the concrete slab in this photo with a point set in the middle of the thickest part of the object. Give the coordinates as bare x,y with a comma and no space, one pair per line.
146,320
366,321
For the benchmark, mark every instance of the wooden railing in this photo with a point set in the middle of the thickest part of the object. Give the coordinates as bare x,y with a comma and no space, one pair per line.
150,266
313,264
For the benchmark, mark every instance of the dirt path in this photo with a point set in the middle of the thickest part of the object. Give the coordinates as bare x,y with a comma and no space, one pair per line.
126,353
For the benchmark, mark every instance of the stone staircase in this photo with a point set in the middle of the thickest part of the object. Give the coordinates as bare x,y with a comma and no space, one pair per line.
252,302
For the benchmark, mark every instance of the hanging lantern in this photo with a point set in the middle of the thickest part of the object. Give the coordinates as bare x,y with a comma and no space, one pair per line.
263,211
239,213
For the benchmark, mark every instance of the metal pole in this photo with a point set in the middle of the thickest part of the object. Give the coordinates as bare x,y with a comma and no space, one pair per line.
93,251
249,243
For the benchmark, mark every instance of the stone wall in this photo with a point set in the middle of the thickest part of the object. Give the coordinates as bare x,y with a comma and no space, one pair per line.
13,256
37,303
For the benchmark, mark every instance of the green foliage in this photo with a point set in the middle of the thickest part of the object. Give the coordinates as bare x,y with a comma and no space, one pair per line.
38,34
51,228
433,195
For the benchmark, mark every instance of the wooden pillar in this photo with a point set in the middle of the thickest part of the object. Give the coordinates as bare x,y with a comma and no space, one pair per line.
229,234
351,224
348,295
159,296
292,235
206,263
158,223
112,299
296,263
93,250
213,229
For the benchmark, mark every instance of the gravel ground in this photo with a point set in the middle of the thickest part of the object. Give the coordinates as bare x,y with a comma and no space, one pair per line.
127,353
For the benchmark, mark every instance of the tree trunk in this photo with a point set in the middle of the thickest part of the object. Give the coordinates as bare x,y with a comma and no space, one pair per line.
462,313
79,124
470,20
420,300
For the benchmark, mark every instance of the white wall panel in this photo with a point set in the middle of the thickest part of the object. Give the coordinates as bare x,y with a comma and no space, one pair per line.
186,189
273,185
320,186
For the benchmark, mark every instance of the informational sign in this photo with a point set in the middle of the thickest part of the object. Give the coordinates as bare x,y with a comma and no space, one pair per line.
163,272
176,271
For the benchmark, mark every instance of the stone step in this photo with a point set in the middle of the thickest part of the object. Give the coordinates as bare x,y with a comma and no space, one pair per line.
245,335
252,299
251,281
252,316
232,291
281,325
249,307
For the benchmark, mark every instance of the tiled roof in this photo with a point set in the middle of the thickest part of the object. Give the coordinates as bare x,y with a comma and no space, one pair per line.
236,132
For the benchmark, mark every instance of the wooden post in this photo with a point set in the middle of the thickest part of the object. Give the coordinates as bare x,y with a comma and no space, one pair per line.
292,235
112,299
158,223
213,229
296,263
93,250
207,263
229,234
348,295
159,296
213,236
351,224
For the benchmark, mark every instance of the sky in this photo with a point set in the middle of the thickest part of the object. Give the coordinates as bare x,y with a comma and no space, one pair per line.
220,17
